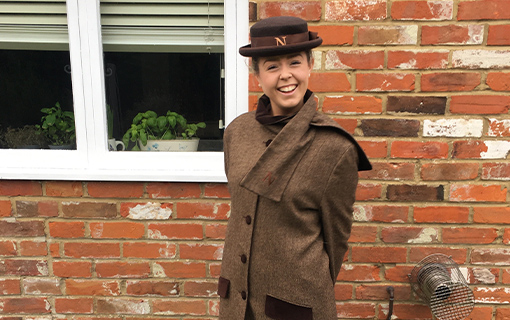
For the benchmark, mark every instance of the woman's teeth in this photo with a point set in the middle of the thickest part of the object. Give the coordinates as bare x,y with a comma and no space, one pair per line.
288,88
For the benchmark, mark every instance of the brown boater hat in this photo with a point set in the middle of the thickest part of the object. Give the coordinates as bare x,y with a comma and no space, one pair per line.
279,35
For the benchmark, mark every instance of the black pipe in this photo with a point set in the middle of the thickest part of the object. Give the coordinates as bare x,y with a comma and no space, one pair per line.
391,291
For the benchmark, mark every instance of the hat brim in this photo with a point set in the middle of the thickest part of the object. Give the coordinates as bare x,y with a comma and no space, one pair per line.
248,51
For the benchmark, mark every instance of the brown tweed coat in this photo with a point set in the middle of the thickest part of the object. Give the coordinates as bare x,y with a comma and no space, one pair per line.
292,191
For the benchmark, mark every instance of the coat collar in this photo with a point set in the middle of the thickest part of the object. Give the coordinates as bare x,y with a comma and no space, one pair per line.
273,170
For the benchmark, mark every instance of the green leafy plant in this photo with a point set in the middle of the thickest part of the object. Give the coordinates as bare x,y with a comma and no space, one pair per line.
24,137
57,125
149,126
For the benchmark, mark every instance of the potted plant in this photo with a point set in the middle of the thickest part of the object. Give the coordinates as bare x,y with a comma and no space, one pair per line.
170,132
57,126
26,137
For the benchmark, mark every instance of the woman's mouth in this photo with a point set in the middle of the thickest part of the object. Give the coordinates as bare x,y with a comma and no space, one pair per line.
288,89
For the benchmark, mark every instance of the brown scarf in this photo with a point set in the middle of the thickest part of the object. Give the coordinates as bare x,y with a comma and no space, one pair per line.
264,115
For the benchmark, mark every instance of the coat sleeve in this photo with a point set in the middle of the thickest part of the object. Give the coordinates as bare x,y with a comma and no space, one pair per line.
337,208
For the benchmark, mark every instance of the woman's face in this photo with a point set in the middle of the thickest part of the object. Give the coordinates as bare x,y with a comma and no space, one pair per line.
284,79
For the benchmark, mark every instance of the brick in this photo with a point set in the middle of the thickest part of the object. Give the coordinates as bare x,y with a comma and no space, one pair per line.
480,104
12,188
499,35
47,209
152,288
203,210
146,210
71,269
389,171
343,292
415,193
329,82
187,231
201,251
378,292
216,191
379,254
422,10
368,191
5,208
477,193
483,275
453,128
418,60
26,209
89,210
54,249
65,229
352,105
374,149
450,81
496,171
502,313
10,287
480,313
179,269
441,214
348,125
452,35
123,306
416,104
216,231
498,81
409,235
21,228
398,273
334,35
506,236
499,128
416,254
355,10
13,267
484,10
33,248
74,305
64,189
363,234
355,310
182,190
8,248
388,35
123,269
491,295
149,250
88,287
380,213
379,82
409,311
252,101
203,289
491,215
475,149
180,307
116,230
359,273
91,250
481,59
44,286
390,127
107,189
469,235
24,305
449,171
354,59
419,150
307,10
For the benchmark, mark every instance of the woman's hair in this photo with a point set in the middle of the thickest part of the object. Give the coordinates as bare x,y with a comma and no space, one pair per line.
255,61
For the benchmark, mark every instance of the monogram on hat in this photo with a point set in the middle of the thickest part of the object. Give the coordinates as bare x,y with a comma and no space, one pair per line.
280,35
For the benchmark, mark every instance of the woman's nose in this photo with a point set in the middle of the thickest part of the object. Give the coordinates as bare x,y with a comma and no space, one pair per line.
285,74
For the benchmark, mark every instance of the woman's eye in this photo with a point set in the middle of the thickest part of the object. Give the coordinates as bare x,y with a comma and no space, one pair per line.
271,67
295,62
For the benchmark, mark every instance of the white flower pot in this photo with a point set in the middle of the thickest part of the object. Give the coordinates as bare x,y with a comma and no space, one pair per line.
182,145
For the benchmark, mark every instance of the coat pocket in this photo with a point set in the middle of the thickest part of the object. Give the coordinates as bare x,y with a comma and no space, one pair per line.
223,287
283,310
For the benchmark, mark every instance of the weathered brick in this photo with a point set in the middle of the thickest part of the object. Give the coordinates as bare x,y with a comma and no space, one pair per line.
459,255
66,229
74,305
354,59
414,193
64,189
54,249
480,313
378,292
307,10
388,35
70,269
408,311
12,188
496,171
216,191
469,235
89,210
215,231
480,104
498,81
179,269
441,214
363,234
491,295
398,273
359,273
343,292
355,310
146,210
368,191
484,10
117,230
348,125
374,149
499,128
41,286
107,189
409,235
492,256
352,105
47,209
333,35
418,59
24,305
180,307
355,10
8,248
381,213
379,254
202,210
481,59
449,171
91,250
149,250
21,228
25,209
483,275
122,269
477,193
329,82
174,190
33,248
453,128
198,251
390,127
123,306
502,313
450,81
89,287
422,10
152,288
452,34
187,231
389,171
10,287
476,149
200,289
5,208
416,104
419,150
378,82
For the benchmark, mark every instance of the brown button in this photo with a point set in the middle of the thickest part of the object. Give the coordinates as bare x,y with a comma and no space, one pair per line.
243,258
243,295
248,219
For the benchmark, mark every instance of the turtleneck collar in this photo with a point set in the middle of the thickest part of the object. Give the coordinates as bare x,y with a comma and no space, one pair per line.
264,115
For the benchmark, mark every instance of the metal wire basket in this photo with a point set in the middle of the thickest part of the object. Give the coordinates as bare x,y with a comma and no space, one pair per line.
438,281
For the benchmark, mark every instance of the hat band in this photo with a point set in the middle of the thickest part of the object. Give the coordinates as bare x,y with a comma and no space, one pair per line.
280,40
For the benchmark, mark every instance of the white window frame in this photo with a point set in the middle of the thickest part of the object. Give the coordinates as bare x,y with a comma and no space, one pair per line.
91,160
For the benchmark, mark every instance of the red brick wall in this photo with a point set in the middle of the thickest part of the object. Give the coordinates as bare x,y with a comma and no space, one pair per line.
423,85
